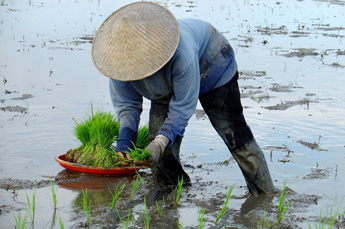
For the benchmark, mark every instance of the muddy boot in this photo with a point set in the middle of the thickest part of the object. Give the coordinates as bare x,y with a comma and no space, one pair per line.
167,168
169,164
253,164
223,107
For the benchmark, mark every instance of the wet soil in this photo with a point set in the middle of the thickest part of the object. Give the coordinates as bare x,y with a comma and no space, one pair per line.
291,61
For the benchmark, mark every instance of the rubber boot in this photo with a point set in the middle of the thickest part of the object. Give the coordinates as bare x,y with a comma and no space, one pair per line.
168,170
225,111
252,162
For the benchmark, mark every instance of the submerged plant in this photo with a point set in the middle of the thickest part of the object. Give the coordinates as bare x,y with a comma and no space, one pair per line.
224,208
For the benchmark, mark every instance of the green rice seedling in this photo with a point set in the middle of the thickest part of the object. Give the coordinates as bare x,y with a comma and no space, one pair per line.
116,195
142,137
224,208
141,179
135,185
21,223
180,225
281,209
53,191
330,216
125,223
139,154
178,191
146,216
159,208
86,207
81,130
201,218
96,134
31,206
264,223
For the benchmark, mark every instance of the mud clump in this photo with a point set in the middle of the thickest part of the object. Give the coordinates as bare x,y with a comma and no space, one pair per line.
14,109
318,174
302,52
282,88
313,146
286,105
15,184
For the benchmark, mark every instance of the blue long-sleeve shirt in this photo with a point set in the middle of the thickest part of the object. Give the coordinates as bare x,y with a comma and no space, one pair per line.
204,60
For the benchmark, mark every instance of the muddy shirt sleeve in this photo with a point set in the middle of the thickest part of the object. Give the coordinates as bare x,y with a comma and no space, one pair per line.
186,85
127,103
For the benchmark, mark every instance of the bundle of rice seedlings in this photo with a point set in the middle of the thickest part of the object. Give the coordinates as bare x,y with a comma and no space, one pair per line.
97,133
139,154
142,140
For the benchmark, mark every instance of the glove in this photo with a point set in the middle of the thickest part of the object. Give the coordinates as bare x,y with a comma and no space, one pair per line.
157,147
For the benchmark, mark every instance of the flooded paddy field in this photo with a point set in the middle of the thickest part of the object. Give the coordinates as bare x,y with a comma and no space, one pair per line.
291,57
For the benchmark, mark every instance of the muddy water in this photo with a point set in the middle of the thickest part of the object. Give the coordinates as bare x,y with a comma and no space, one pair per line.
292,63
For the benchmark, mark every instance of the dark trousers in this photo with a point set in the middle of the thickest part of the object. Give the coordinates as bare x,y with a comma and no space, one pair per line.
224,109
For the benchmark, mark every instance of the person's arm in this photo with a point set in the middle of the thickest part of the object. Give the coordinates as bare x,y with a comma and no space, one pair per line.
128,107
186,86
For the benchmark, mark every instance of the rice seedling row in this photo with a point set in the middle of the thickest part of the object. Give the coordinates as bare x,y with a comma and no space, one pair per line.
327,218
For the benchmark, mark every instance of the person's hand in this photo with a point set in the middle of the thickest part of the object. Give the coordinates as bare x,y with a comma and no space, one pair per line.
157,147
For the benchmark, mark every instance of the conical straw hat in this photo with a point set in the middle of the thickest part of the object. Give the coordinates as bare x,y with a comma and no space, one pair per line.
135,41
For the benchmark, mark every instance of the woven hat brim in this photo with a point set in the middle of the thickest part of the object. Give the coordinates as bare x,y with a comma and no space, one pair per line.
135,41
